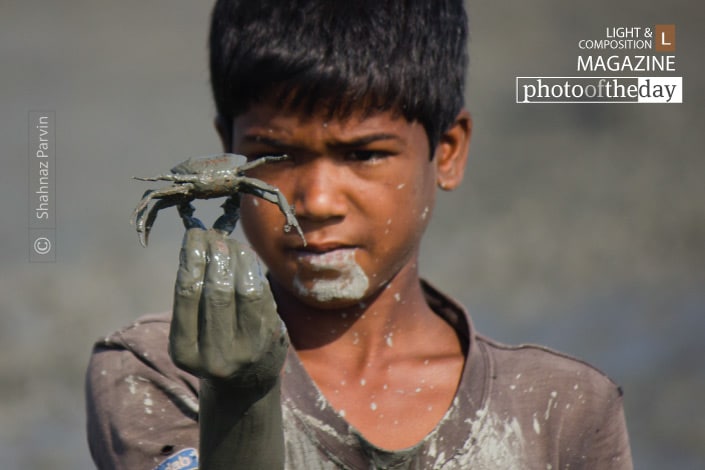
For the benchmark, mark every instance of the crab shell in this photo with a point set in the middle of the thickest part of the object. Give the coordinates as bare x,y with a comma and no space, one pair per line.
215,171
205,178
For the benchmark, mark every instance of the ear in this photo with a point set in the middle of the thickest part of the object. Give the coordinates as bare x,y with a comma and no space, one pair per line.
451,154
224,129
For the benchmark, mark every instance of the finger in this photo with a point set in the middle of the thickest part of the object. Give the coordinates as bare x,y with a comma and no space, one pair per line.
257,318
183,335
217,344
250,282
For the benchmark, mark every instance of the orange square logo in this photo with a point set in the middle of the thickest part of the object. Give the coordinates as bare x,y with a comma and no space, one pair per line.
665,36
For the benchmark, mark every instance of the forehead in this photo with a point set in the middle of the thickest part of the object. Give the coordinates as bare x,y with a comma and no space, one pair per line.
266,119
209,163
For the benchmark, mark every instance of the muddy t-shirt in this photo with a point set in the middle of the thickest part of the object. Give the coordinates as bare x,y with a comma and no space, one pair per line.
523,407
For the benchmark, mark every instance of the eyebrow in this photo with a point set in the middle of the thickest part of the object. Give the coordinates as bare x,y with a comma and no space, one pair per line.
364,140
269,141
352,143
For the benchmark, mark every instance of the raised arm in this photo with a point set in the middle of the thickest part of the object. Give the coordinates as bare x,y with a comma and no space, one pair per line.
225,330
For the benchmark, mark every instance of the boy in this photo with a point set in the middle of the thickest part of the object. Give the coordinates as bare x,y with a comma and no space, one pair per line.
382,370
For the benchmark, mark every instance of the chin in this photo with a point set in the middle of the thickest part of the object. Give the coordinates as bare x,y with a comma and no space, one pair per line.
336,292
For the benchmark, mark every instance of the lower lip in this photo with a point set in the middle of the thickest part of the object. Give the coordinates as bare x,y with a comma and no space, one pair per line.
332,275
334,259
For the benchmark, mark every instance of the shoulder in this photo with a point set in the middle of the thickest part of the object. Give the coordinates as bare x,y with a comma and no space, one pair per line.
137,353
141,409
140,349
568,410
142,334
541,367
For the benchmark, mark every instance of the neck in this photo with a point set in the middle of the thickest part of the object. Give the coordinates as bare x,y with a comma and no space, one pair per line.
380,326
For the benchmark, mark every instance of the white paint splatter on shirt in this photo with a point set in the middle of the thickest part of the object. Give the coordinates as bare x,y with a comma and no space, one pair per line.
493,442
550,405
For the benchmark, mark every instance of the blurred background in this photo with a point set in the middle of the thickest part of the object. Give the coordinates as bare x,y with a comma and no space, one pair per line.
581,227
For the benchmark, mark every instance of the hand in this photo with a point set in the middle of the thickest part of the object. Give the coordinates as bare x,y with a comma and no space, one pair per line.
225,326
226,330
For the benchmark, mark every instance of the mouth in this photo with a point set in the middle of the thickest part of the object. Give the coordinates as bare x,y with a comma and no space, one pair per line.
330,272
326,257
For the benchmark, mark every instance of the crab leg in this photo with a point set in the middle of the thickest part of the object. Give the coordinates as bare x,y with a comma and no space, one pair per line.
176,178
260,161
272,194
144,202
228,220
157,194
144,218
186,211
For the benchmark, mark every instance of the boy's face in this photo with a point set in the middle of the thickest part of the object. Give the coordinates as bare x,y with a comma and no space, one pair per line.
363,189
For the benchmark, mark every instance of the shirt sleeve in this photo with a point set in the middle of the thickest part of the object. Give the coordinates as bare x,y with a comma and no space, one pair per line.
142,411
571,413
605,441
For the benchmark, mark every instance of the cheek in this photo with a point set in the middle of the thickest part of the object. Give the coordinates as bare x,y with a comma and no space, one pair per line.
258,220
404,221
414,201
249,210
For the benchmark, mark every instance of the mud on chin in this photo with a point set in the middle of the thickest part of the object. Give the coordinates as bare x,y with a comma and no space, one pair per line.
344,278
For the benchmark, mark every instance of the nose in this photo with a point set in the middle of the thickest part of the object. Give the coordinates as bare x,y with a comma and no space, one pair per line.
319,190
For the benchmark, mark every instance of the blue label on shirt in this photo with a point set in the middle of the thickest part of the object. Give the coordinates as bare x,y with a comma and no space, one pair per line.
186,459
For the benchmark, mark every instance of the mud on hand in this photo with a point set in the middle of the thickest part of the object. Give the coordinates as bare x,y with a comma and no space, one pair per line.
225,326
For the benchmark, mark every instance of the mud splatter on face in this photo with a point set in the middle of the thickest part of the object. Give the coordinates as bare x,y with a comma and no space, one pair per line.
388,339
345,279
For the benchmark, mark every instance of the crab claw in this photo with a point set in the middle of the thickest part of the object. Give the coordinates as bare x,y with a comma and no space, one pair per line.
138,216
144,216
144,219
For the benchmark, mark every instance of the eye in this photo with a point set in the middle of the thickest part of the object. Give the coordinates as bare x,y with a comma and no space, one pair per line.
362,155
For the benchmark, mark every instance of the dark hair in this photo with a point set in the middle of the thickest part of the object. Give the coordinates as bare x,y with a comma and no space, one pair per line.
407,56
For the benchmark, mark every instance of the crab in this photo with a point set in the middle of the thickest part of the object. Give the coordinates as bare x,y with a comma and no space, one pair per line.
206,178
